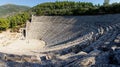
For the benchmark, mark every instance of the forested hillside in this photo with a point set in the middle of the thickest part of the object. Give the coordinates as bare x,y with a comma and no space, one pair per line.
10,9
13,16
74,8
14,22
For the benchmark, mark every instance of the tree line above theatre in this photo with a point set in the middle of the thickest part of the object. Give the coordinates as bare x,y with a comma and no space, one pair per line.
75,8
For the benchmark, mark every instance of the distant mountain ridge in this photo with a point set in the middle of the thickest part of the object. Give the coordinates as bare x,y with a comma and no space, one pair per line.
9,9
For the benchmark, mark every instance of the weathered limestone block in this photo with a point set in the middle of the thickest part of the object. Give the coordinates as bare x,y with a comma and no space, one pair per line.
35,59
66,56
87,61
117,40
82,53
26,58
50,56
16,58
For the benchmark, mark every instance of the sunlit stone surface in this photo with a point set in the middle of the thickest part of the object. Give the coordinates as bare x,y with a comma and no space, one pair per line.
64,41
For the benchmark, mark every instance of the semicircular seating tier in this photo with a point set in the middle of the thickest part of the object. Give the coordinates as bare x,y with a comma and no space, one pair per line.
56,30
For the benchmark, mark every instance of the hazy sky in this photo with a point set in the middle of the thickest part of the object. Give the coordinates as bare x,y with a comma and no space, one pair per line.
35,2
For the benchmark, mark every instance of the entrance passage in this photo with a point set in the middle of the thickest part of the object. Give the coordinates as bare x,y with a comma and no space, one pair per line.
24,33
